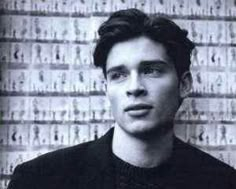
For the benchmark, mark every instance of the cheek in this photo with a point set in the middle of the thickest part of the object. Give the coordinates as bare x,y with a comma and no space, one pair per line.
172,96
172,89
168,86
165,92
113,98
172,84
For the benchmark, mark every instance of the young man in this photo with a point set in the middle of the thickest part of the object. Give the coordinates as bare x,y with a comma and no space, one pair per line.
146,62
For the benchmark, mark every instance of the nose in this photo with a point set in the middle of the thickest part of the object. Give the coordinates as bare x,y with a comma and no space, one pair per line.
135,87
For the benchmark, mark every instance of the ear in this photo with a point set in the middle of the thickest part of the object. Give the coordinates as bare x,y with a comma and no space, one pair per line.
185,84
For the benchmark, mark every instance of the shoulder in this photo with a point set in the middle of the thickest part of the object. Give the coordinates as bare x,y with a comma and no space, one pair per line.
202,166
52,170
58,161
71,167
91,154
76,160
192,156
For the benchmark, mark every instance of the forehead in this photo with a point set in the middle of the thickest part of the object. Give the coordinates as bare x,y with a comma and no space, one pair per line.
134,51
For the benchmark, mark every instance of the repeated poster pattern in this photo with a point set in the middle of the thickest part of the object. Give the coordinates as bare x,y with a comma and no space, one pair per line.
53,97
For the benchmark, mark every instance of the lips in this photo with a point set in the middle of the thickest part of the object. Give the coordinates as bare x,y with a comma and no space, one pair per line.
138,107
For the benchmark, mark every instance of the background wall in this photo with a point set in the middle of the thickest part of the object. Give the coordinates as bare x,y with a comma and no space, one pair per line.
52,97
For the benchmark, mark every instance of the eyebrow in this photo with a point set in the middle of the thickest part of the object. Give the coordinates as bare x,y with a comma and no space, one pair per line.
116,68
152,63
142,64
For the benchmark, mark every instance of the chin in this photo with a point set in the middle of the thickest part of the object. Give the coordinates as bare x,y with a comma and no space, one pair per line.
148,130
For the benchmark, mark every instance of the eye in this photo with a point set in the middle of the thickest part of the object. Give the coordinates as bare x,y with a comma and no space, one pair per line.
114,76
152,71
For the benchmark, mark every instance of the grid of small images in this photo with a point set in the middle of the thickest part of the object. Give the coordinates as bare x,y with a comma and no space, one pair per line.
53,97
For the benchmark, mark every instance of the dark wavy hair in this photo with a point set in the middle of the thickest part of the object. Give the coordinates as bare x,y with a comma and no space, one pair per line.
130,23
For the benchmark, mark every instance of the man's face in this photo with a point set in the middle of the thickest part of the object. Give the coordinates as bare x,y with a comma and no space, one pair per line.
142,86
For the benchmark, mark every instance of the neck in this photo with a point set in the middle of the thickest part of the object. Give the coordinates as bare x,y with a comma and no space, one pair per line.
145,153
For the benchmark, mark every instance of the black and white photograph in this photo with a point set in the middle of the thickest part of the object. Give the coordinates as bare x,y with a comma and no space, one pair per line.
117,94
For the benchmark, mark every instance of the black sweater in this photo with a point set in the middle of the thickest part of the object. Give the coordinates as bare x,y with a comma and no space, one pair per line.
91,166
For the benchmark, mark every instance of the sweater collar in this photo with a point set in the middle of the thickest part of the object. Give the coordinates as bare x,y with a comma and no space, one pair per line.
99,157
